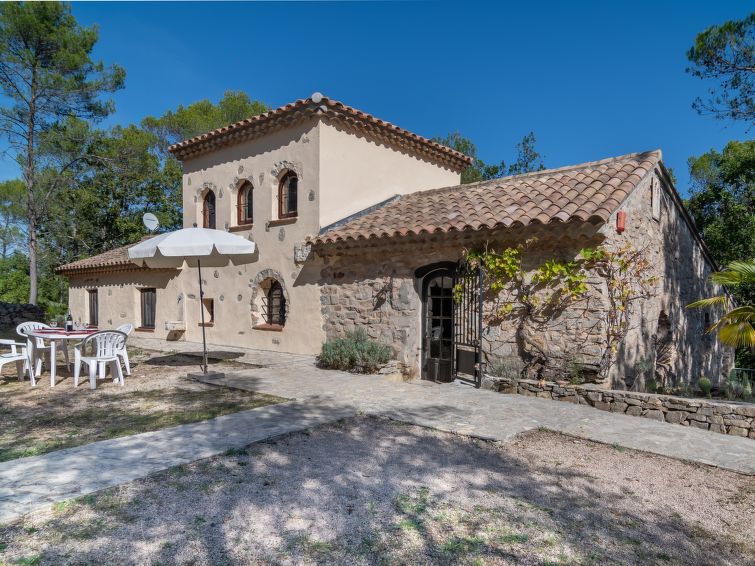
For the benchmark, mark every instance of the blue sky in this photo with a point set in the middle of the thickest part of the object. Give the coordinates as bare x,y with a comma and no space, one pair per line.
591,79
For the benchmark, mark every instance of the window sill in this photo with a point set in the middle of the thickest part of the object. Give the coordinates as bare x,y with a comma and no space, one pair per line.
282,221
268,327
206,324
144,329
240,227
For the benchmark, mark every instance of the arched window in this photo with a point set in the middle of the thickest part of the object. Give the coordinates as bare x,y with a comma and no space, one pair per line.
287,196
208,210
245,204
276,305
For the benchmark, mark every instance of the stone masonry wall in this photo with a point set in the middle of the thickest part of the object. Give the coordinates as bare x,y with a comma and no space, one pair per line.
724,418
379,292
376,288
666,341
11,315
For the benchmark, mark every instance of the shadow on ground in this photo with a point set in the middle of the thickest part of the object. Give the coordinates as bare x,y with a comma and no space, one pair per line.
214,357
371,491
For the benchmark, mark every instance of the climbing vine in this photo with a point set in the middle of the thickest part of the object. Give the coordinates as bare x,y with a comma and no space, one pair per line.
531,299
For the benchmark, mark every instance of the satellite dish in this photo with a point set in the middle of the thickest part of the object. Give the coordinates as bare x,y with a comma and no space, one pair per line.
150,221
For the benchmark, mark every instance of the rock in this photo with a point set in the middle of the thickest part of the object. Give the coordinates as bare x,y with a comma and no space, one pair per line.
632,401
653,414
594,396
618,407
736,420
676,416
738,431
490,383
602,405
746,410
698,424
718,428
634,410
675,406
716,419
569,399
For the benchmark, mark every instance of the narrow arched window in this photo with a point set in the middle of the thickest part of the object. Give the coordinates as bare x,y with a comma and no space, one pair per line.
208,210
276,305
245,204
287,196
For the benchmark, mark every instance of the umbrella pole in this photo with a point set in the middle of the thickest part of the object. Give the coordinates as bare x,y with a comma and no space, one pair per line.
201,312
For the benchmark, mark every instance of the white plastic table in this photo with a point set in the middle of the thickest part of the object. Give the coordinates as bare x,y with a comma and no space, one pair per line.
55,335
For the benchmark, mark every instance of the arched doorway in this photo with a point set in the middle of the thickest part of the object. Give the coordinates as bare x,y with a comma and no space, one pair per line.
438,325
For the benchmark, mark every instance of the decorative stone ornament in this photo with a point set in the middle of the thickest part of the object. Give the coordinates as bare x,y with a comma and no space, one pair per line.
301,251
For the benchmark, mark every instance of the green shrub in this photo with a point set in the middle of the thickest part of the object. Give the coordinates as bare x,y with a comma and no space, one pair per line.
705,386
355,352
510,367
651,385
572,370
738,386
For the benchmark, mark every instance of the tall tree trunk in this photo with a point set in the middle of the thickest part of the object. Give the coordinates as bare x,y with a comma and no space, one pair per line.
29,174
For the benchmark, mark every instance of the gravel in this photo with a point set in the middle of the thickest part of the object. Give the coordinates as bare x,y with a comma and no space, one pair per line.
373,491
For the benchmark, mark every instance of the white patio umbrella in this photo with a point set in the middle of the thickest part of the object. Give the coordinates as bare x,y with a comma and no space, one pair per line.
182,245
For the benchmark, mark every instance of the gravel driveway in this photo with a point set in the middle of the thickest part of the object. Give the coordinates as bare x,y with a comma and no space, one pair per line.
373,491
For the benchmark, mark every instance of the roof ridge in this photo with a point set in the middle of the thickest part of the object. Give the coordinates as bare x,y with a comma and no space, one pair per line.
320,106
540,173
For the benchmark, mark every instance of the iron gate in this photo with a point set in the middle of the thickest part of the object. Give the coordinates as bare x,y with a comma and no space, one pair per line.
467,324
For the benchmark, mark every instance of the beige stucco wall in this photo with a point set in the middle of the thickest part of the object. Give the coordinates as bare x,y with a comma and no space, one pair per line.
339,173
357,172
119,297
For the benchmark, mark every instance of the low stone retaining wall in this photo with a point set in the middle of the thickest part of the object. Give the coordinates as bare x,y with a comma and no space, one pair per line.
725,418
11,315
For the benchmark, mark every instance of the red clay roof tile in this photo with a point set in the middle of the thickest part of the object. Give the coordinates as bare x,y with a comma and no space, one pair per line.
588,192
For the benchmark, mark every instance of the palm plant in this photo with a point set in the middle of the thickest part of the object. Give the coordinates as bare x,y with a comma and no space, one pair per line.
735,327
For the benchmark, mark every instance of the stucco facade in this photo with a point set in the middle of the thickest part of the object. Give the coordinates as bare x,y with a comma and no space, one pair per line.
340,171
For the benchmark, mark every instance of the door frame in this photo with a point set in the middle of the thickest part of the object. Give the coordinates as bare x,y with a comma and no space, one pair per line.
474,346
426,274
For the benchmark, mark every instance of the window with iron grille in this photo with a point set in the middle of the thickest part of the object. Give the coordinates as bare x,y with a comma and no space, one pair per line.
275,305
208,210
148,304
245,205
94,307
288,196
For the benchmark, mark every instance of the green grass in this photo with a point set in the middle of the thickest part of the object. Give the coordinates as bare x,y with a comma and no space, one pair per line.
29,430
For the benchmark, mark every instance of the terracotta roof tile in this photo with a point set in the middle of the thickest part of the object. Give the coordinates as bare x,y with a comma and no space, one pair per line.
589,192
331,111
117,257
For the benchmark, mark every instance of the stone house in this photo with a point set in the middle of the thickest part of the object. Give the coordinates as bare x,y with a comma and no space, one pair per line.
352,230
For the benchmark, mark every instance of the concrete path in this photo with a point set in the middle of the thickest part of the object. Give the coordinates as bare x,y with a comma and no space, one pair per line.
323,396
465,410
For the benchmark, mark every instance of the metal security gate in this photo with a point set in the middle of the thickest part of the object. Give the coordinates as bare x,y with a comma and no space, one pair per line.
467,323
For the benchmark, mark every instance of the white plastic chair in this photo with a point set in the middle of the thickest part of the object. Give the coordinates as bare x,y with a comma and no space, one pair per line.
104,347
37,347
21,359
127,329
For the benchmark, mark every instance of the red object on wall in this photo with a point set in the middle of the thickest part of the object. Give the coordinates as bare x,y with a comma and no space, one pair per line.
621,221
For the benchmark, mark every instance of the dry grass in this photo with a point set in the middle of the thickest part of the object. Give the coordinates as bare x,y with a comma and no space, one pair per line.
369,491
158,394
